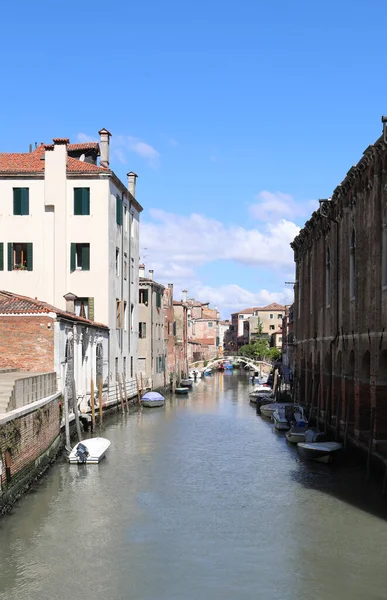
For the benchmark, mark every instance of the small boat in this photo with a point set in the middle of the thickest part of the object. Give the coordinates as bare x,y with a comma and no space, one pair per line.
261,391
207,372
320,451
284,416
186,383
220,368
268,409
152,400
89,451
229,367
296,433
181,390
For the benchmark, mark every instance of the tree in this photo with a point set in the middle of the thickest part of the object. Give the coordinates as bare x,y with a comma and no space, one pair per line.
274,354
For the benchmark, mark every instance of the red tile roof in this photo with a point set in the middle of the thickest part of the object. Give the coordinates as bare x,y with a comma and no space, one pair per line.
247,311
14,304
33,162
272,306
83,146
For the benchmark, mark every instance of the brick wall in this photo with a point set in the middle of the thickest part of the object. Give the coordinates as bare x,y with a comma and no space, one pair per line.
27,342
24,439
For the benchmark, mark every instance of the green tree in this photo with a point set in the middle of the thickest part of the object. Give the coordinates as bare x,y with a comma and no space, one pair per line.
274,354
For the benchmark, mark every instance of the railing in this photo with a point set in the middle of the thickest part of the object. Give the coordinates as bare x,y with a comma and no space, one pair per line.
30,389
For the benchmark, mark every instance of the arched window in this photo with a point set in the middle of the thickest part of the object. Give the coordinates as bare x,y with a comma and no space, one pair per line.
328,277
352,266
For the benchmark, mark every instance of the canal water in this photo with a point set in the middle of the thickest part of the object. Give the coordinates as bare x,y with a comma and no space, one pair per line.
199,500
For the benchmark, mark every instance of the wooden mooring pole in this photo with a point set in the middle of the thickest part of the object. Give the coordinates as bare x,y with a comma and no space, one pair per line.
138,391
348,411
100,401
92,400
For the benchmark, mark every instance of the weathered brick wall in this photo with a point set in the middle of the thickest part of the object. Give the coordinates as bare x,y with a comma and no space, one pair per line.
28,342
24,439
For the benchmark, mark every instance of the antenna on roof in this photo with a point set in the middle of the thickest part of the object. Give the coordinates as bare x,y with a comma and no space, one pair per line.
82,158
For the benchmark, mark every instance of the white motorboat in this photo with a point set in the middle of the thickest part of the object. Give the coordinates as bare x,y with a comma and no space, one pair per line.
285,415
89,451
152,400
321,451
261,390
296,434
268,409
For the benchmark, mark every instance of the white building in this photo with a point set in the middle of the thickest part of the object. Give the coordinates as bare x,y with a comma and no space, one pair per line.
152,345
69,235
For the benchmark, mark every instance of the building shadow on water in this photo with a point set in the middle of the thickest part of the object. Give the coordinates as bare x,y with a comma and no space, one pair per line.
344,480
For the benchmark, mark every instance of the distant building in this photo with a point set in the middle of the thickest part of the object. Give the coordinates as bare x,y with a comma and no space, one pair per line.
203,329
223,329
70,233
180,310
236,337
169,333
151,364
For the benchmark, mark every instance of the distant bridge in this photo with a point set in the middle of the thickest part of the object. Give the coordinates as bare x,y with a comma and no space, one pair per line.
254,364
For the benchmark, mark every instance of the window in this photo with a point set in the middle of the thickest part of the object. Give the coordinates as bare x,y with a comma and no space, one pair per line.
20,257
116,368
80,257
174,328
118,210
124,368
352,266
81,201
142,330
279,339
272,327
1,256
131,225
82,309
125,266
125,218
21,202
131,316
327,277
117,262
158,299
143,297
271,316
240,316
279,316
210,324
132,271
131,366
118,314
160,363
125,317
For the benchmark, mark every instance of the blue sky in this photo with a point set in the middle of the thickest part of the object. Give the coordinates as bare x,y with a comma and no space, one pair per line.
236,117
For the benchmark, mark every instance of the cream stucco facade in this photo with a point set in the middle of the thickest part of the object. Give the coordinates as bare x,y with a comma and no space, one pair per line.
104,284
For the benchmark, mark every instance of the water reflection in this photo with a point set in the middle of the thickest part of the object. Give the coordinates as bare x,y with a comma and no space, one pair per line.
198,499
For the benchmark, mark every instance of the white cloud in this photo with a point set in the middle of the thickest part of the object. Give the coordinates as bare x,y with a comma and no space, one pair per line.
230,298
122,144
197,240
84,137
274,205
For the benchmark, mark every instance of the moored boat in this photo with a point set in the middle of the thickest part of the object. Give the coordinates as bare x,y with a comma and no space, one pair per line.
268,409
320,451
181,390
152,400
296,433
186,383
89,451
284,416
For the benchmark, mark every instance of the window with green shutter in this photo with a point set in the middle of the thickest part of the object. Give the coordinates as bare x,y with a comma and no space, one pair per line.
1,256
118,210
81,201
21,202
20,256
79,257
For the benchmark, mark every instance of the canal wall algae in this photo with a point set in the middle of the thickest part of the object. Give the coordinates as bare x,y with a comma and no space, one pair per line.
29,441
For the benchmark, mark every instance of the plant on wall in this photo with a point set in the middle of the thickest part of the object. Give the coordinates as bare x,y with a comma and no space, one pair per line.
10,436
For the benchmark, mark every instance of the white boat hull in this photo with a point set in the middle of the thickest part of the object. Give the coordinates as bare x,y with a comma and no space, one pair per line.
320,451
281,425
96,448
152,403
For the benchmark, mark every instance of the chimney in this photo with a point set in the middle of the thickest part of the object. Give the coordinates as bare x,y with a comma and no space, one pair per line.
104,147
184,295
141,270
132,183
150,274
70,302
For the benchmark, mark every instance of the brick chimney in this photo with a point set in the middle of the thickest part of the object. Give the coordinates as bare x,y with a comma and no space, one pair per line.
104,147
70,302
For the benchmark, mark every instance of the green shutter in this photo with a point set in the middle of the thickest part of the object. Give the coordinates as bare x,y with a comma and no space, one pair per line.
91,309
85,201
1,256
10,256
118,210
29,257
24,201
72,258
78,201
17,201
85,257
